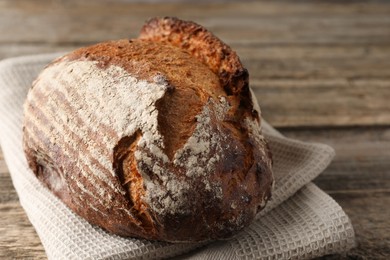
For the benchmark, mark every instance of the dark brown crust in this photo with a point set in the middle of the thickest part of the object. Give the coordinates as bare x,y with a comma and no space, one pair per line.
198,67
201,44
210,50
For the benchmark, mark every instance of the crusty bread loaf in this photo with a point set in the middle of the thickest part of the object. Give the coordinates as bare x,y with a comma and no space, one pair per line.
155,137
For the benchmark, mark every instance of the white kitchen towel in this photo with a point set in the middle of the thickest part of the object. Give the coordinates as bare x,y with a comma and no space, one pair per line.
300,221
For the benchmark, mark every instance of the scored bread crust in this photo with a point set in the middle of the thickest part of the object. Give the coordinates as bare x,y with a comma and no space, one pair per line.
202,45
154,137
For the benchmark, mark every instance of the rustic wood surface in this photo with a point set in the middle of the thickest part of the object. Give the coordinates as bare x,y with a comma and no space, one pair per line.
321,70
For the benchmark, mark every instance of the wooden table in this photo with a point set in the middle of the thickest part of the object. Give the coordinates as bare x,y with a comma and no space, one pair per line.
321,70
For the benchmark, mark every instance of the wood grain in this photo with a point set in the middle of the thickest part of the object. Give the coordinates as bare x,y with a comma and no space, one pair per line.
320,53
359,180
56,21
370,221
18,238
362,159
321,70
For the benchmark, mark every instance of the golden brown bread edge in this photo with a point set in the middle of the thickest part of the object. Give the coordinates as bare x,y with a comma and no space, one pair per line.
196,67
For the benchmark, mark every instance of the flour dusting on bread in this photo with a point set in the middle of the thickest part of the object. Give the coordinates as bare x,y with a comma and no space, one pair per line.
156,137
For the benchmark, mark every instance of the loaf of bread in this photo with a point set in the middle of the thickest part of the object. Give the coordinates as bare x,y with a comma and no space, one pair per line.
156,137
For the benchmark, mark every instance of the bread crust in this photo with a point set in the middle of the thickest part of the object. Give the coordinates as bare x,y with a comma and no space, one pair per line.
154,137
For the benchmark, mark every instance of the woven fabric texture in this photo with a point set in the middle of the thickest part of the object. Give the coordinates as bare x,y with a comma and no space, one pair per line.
299,222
